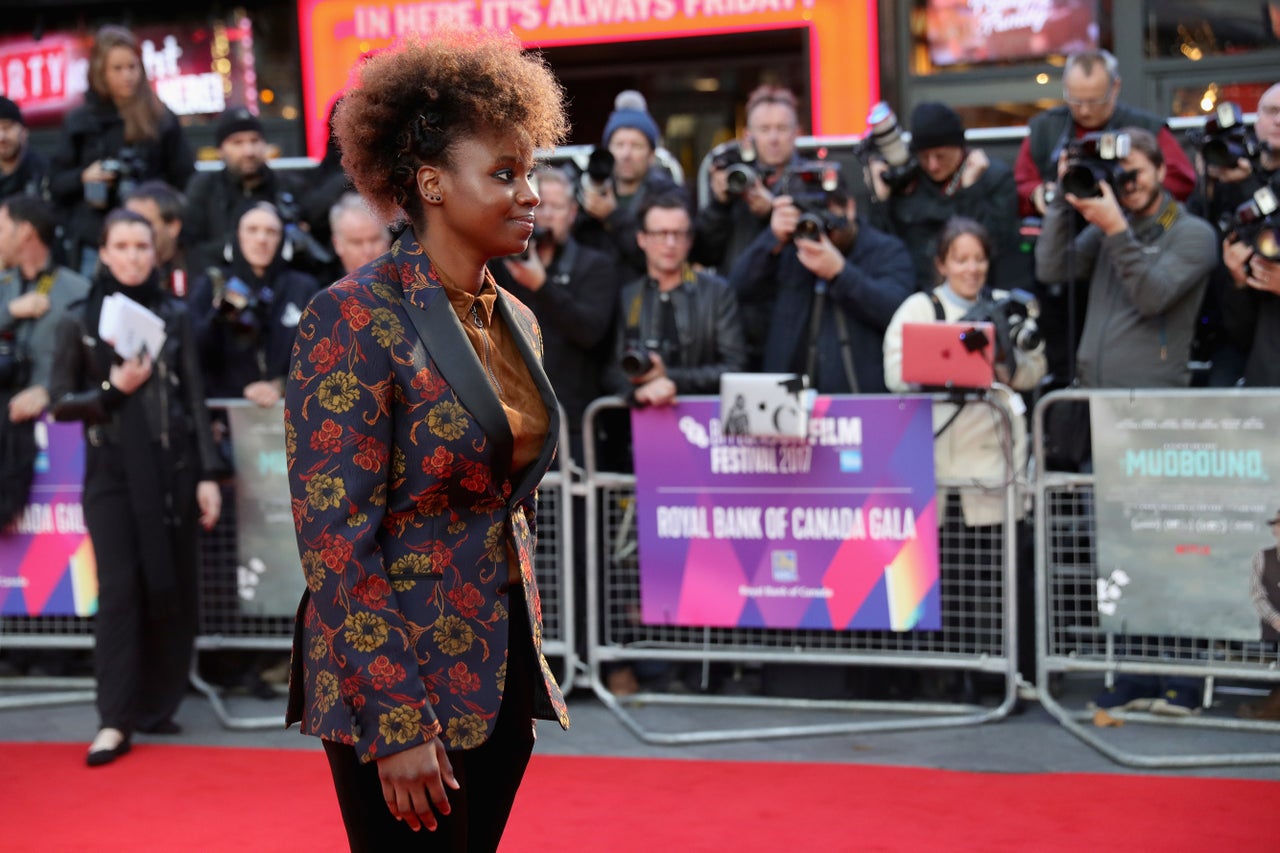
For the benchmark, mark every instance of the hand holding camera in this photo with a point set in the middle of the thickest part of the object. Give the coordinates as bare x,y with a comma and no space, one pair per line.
527,268
785,217
819,255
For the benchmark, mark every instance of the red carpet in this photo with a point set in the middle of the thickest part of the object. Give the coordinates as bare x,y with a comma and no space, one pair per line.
180,798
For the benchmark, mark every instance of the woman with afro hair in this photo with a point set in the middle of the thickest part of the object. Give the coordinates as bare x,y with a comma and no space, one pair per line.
419,423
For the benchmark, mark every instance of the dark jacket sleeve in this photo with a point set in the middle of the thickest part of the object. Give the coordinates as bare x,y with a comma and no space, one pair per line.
583,311
69,159
877,277
71,399
198,231
1053,245
754,274
993,202
178,160
194,399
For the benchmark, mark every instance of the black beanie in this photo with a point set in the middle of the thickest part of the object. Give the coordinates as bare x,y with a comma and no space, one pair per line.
9,111
935,125
235,121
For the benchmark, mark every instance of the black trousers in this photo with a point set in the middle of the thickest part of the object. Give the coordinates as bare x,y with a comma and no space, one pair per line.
141,663
488,775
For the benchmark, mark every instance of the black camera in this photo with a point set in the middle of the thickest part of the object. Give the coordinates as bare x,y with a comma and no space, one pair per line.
1255,222
238,304
299,248
884,141
15,366
1225,139
1015,319
598,176
811,185
735,160
1093,159
129,168
636,360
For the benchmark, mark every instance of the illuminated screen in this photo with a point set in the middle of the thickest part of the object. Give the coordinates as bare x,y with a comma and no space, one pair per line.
968,32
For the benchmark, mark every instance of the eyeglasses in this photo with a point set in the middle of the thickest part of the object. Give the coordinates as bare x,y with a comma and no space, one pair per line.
1096,102
670,236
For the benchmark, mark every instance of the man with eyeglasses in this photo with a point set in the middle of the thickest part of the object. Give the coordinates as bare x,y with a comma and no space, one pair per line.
1091,102
678,329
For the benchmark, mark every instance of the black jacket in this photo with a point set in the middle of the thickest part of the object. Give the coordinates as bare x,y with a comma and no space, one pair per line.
876,279
173,398
95,131
256,344
918,215
214,200
710,334
576,309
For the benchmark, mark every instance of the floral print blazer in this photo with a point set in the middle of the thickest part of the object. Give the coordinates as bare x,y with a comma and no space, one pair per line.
405,514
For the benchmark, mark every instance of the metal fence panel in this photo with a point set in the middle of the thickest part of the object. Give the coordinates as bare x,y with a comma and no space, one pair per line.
1071,639
978,618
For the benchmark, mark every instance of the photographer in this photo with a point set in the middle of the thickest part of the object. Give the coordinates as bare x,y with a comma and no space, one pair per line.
246,312
22,168
213,198
1241,305
678,330
951,179
973,442
743,180
121,135
608,219
34,294
1147,261
833,288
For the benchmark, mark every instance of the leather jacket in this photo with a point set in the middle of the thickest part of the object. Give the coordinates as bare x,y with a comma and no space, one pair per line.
173,397
710,333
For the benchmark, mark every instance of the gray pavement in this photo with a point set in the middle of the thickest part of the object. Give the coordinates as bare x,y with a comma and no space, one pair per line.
1029,742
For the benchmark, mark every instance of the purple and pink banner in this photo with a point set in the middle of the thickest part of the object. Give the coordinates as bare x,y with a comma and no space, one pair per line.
837,531
46,559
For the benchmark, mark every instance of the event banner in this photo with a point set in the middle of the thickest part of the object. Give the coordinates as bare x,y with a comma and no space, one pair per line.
268,574
837,531
46,558
1184,487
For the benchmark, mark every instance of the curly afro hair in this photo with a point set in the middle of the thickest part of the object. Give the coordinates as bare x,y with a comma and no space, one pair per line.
410,103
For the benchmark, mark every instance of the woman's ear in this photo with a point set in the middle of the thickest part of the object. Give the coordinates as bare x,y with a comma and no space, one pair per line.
428,182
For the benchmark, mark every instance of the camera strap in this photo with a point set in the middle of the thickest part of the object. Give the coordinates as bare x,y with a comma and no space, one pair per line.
820,288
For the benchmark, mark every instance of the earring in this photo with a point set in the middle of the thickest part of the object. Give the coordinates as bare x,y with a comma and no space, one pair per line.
436,198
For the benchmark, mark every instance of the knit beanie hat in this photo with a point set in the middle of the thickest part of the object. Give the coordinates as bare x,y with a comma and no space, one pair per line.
631,110
935,125
236,120
9,111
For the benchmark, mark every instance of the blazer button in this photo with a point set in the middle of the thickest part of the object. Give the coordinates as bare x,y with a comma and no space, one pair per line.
356,730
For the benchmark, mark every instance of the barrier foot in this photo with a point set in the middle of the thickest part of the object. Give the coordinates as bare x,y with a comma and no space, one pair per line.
220,710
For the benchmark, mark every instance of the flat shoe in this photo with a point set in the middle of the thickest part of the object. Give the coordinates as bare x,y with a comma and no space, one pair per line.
99,757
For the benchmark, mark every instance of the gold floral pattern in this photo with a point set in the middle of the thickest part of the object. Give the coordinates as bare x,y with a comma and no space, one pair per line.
400,725
325,492
465,732
448,421
454,636
365,632
338,392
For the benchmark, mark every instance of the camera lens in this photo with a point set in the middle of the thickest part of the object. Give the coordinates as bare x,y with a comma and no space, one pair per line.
1082,181
808,228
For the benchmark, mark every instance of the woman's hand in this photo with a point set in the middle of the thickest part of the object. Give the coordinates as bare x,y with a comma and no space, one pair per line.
263,393
414,780
129,375
95,174
209,499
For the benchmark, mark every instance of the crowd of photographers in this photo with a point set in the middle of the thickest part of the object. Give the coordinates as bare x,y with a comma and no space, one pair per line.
1144,264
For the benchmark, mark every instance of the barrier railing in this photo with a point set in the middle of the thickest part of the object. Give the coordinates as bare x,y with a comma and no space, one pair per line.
978,632
1071,637
227,579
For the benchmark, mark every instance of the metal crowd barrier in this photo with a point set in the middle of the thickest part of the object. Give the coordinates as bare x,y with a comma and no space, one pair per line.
223,626
1070,638
978,636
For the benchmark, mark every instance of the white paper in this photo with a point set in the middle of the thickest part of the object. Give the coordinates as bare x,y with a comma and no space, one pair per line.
129,327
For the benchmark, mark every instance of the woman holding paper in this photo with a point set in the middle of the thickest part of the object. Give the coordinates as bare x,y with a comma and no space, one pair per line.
148,479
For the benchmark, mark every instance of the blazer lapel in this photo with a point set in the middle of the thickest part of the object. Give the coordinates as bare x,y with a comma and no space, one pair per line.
448,347
531,476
